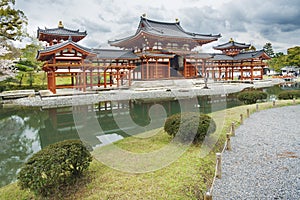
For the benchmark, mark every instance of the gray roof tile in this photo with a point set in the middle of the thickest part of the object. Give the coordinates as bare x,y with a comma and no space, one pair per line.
232,44
114,54
166,29
61,32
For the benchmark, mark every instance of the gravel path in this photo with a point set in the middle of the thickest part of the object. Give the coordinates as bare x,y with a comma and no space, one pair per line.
265,159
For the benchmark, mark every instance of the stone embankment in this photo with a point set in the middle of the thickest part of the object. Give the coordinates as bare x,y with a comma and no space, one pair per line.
139,91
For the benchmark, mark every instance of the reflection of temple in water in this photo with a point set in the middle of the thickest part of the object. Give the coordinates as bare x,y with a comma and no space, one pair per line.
122,118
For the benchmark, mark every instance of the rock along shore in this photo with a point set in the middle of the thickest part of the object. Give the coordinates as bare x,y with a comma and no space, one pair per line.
139,91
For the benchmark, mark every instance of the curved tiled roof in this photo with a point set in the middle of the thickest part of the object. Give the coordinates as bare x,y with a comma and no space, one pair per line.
232,44
165,30
224,57
240,56
114,54
59,46
170,29
61,32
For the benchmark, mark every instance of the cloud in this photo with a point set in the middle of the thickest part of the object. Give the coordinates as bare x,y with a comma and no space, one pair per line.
255,21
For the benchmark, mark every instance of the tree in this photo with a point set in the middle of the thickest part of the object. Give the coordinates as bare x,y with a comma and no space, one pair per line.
269,49
12,21
278,61
293,56
29,54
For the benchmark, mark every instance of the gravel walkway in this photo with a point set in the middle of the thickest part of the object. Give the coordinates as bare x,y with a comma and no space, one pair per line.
265,159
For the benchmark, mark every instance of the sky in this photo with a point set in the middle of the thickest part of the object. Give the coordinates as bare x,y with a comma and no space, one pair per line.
254,22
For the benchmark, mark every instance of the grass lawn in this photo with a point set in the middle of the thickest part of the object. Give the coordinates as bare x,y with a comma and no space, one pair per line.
188,177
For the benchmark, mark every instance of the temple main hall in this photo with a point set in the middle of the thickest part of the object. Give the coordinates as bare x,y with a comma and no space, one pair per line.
156,51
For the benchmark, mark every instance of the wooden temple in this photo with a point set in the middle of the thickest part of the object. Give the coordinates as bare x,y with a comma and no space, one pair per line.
80,67
237,58
163,48
157,50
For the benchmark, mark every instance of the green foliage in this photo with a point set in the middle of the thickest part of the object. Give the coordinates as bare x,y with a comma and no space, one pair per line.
187,125
269,49
251,96
28,54
54,167
22,81
293,56
281,60
23,68
12,21
289,94
278,61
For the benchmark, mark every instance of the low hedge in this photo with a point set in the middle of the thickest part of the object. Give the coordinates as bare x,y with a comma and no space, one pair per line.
289,94
251,96
54,167
190,126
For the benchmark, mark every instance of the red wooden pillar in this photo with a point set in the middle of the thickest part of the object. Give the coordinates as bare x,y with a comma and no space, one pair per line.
91,78
226,73
155,75
84,80
129,78
232,73
169,68
242,73
142,70
118,78
111,78
104,78
147,69
72,80
251,72
220,73
185,69
202,69
98,77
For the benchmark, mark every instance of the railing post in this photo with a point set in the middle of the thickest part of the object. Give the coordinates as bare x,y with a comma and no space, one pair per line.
248,112
242,120
207,196
274,103
257,107
294,100
232,129
228,143
219,165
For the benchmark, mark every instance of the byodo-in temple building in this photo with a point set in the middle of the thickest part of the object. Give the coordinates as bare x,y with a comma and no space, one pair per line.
157,50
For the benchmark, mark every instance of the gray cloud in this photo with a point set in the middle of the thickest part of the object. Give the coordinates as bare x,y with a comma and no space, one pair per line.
250,21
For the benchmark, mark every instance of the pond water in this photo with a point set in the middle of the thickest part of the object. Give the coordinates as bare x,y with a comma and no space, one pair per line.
24,131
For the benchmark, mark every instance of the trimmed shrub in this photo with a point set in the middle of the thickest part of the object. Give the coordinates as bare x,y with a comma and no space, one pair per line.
54,167
251,96
190,126
289,94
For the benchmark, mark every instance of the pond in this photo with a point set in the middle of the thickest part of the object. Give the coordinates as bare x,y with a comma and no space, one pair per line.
24,131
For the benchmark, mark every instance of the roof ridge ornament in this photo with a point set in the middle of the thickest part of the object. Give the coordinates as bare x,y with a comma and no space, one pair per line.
231,40
144,15
60,24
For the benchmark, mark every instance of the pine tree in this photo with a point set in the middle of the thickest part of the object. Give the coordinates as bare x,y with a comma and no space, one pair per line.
269,49
12,21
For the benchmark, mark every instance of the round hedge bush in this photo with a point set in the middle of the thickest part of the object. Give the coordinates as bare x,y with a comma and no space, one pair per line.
190,126
289,94
251,96
54,167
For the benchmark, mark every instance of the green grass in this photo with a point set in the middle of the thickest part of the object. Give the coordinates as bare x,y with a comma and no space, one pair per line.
186,178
